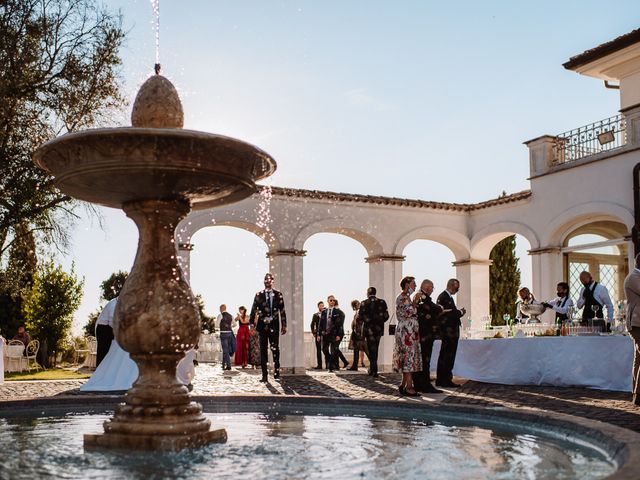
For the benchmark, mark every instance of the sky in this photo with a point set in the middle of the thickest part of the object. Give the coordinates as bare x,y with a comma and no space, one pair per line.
356,97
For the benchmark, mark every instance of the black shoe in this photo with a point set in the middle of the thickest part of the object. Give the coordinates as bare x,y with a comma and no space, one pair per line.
402,390
447,384
331,370
431,389
317,368
374,375
276,375
346,364
353,369
263,379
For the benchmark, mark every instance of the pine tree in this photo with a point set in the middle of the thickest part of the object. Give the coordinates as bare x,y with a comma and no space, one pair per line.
504,279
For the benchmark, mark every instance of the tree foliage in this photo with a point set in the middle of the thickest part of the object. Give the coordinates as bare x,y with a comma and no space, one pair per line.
49,305
206,322
59,71
16,278
504,279
112,286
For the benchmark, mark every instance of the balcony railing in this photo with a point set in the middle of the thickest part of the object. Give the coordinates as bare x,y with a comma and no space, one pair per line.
602,136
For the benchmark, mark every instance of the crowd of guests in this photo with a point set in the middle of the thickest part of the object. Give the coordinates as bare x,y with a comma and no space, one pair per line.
367,328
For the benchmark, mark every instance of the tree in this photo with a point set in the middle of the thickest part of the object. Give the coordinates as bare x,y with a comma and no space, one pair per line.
206,322
59,72
112,286
17,277
504,279
49,306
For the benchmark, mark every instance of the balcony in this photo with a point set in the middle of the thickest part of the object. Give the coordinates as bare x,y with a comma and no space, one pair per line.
602,136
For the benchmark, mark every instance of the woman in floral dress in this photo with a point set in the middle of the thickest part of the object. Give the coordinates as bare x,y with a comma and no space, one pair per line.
406,351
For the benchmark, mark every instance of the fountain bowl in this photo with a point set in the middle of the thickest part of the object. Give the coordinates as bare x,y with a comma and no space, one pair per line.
114,166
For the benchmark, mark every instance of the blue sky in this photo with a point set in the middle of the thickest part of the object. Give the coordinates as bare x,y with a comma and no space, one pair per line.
357,96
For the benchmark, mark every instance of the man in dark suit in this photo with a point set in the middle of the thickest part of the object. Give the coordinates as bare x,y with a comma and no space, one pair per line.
332,329
449,333
317,337
267,313
429,323
374,312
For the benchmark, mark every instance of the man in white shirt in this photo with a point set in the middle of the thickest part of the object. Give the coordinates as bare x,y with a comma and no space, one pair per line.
632,292
594,294
562,303
104,330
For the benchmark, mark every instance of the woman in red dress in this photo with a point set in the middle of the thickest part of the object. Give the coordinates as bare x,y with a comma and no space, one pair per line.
242,338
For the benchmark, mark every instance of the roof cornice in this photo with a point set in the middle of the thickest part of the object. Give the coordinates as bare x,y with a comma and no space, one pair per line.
394,201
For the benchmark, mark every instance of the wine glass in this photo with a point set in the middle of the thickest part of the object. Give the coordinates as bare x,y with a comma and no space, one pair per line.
594,309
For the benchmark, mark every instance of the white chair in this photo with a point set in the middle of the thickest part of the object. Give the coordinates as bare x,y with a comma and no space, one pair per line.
32,353
15,356
92,356
79,350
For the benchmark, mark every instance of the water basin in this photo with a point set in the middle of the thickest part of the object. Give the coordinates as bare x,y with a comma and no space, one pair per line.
308,439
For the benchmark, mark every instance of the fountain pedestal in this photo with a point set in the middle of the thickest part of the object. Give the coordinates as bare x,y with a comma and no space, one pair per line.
156,172
157,323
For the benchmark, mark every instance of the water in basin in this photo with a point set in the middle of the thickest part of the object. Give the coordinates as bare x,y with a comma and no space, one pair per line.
287,444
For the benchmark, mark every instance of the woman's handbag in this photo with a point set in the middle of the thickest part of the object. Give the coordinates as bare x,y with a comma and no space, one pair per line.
392,325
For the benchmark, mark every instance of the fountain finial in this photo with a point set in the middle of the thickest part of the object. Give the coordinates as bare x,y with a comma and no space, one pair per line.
157,104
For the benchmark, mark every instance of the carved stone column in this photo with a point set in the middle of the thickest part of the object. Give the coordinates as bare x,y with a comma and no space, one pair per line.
156,321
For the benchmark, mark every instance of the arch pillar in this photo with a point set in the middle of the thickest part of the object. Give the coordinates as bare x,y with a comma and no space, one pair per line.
473,275
546,272
385,273
286,267
184,259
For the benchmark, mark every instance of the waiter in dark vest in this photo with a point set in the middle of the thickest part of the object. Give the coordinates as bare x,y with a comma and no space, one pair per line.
562,303
593,297
267,313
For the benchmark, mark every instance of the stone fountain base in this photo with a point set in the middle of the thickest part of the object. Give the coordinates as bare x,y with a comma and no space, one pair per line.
157,413
164,443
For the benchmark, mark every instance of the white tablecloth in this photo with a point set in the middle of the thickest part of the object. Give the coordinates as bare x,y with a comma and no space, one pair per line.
600,362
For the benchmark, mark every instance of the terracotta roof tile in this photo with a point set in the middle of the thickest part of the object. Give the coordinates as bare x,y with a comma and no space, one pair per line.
606,48
394,201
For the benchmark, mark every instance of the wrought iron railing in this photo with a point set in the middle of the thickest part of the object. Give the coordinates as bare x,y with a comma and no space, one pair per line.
602,136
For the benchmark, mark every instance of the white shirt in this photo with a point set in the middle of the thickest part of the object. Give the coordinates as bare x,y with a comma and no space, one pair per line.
107,314
601,295
556,304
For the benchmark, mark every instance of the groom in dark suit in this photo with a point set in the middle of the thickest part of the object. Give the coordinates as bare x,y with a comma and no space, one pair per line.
332,330
449,333
267,313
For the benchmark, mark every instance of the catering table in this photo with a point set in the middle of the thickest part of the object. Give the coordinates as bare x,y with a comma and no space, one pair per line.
600,362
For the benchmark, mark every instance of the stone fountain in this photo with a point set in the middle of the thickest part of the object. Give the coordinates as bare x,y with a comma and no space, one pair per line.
156,172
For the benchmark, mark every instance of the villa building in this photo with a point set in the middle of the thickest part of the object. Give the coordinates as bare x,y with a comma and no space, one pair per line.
567,203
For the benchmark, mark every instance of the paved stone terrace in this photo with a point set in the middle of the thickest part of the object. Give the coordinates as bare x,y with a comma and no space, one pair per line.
606,406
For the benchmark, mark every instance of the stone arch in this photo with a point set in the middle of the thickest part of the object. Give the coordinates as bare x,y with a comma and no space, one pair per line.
580,215
455,241
211,218
486,238
336,225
